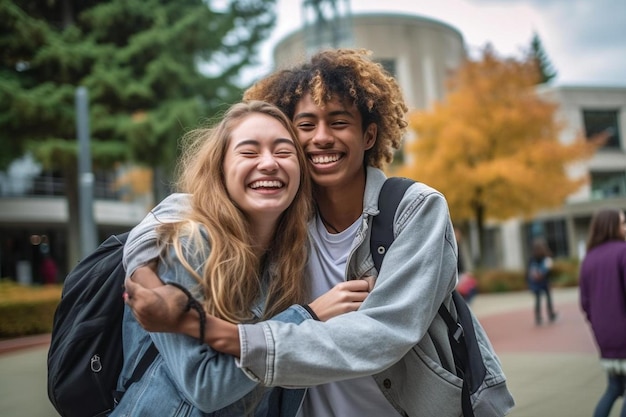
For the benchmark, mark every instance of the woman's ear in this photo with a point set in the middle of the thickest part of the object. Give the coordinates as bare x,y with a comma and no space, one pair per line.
369,137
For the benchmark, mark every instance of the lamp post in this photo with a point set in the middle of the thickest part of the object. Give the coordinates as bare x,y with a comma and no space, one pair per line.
88,237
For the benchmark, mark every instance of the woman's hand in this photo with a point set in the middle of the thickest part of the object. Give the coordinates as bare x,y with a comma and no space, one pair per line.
343,298
156,306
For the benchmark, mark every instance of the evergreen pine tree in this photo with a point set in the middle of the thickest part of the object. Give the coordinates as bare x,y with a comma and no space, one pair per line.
152,69
538,54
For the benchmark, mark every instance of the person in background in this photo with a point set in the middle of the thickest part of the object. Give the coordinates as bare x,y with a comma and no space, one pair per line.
538,279
603,299
467,285
48,269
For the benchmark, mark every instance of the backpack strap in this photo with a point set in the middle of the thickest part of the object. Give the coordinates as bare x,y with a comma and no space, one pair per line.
468,361
464,346
382,225
140,369
143,365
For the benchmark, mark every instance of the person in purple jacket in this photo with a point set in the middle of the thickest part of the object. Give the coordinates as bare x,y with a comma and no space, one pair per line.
603,299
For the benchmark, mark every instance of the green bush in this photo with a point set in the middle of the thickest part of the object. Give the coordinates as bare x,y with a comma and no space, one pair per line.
564,274
28,318
500,280
27,310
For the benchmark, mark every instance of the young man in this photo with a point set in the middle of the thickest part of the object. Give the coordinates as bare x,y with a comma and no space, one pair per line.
392,356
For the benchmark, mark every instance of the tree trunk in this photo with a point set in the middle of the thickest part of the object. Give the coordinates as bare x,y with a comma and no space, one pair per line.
479,211
479,216
67,13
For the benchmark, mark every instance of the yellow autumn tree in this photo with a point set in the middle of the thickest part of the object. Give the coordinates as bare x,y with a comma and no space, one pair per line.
133,182
492,145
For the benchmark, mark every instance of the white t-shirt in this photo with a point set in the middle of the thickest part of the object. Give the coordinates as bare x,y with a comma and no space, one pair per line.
357,397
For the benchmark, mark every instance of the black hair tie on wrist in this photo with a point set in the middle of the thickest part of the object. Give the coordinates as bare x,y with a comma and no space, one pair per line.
311,312
195,304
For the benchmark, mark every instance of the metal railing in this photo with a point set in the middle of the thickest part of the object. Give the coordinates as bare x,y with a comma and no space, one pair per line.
52,186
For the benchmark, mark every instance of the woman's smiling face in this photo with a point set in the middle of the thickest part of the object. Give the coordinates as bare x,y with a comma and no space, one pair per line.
261,168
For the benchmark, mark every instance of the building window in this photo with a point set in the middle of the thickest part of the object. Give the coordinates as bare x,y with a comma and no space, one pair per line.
608,184
553,231
492,255
599,121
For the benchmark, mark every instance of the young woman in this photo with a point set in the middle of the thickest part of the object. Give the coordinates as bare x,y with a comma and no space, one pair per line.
603,299
241,248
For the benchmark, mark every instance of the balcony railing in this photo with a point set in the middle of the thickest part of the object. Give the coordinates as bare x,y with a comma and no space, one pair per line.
51,186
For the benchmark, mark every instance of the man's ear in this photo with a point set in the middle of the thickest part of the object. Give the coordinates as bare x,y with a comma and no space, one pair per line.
369,137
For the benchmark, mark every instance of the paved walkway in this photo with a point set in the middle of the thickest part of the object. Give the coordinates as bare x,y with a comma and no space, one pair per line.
553,370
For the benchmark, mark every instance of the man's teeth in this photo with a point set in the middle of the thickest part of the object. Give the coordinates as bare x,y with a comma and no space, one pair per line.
324,159
266,184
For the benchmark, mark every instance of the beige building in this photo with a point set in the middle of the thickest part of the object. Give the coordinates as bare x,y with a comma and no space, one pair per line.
34,216
419,51
422,52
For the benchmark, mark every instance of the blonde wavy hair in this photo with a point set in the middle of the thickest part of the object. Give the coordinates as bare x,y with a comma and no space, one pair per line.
352,77
231,278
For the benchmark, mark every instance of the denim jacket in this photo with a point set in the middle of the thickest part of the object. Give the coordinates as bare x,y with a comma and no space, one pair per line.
401,339
396,335
188,378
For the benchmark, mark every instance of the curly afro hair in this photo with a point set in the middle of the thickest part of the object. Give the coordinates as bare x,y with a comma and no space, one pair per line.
348,75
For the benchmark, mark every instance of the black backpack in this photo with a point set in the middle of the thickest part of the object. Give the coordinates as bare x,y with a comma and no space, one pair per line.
86,356
467,357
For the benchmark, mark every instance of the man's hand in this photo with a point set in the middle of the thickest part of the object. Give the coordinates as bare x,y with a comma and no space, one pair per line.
342,298
161,308
156,306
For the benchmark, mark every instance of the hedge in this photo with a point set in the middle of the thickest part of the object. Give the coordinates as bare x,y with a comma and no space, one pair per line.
27,310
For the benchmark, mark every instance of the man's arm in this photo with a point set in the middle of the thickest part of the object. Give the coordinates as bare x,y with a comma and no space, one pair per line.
161,308
418,273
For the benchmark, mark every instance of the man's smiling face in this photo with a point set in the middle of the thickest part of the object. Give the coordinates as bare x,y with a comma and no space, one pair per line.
333,140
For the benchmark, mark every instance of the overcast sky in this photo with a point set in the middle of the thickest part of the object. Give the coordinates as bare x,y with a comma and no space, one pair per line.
585,39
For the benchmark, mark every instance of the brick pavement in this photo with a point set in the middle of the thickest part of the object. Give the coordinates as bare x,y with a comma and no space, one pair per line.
552,370
515,331
11,345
